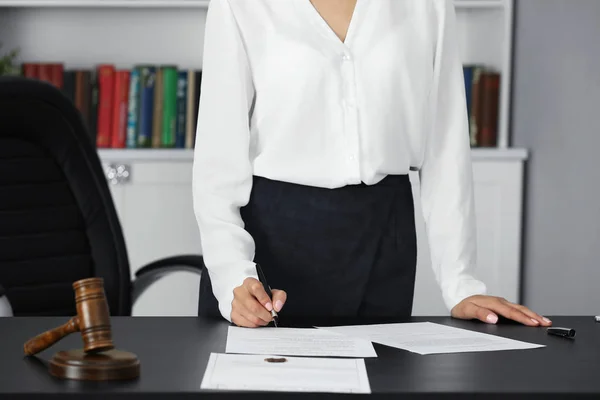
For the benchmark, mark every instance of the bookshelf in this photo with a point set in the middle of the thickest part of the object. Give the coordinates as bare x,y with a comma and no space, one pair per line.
155,203
43,30
186,3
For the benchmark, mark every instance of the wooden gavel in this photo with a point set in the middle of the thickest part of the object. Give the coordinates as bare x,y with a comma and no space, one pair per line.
92,320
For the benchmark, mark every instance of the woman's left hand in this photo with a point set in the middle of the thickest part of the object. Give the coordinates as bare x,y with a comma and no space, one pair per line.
487,308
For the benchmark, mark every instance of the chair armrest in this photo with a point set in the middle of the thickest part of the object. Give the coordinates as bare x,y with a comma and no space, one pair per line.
154,271
5,308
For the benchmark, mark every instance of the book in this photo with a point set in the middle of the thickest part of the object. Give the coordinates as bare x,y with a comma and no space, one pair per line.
482,89
106,87
182,98
468,75
56,75
30,70
69,85
190,104
133,108
146,108
169,110
80,87
157,117
45,72
198,81
82,93
93,120
119,112
488,129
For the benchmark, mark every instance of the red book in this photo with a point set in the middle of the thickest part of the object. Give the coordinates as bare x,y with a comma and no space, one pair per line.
45,72
490,97
106,87
56,75
31,70
119,109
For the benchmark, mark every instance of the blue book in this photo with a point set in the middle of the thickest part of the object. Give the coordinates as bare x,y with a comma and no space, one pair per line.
468,73
181,120
146,108
132,109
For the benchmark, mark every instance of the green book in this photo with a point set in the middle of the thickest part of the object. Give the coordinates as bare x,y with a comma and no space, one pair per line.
169,119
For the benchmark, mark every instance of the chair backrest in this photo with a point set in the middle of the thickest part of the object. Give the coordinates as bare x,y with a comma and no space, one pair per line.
58,223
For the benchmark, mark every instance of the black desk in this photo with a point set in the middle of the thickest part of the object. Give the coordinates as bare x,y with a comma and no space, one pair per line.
174,353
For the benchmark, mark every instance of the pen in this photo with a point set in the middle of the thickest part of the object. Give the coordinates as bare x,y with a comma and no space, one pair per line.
562,332
263,280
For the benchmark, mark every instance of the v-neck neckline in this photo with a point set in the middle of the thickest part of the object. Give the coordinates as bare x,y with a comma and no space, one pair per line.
318,19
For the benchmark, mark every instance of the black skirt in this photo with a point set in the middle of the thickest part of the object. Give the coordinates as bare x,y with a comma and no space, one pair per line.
346,252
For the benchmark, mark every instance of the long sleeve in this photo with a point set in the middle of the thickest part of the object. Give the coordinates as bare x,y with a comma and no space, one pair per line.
222,171
447,197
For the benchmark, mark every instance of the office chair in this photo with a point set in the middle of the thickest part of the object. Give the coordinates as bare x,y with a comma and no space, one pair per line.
5,308
58,223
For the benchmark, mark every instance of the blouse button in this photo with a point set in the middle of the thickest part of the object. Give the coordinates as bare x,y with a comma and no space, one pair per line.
346,57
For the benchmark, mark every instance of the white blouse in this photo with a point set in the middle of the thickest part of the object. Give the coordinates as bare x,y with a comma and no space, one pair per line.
284,98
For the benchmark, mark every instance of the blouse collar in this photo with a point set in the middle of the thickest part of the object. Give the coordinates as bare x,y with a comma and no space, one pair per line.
308,11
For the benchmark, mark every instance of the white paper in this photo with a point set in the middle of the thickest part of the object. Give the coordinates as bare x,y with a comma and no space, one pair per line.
430,338
296,342
297,374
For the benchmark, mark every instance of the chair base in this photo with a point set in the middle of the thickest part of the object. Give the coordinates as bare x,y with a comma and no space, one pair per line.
104,366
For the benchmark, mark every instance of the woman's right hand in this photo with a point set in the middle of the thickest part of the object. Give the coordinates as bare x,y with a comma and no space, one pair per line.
251,306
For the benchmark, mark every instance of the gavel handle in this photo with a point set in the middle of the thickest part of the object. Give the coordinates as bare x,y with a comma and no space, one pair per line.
44,340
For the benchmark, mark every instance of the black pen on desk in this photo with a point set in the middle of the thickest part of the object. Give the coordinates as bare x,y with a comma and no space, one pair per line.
568,333
263,280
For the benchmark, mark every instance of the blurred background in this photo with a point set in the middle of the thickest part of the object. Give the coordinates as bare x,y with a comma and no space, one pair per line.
533,95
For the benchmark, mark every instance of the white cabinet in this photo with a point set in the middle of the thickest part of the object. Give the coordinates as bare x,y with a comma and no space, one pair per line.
498,180
154,204
156,212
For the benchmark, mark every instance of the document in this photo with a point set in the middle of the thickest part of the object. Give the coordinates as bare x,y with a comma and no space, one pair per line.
289,374
430,338
296,342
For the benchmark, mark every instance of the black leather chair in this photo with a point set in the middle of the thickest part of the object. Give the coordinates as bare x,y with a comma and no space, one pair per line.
58,223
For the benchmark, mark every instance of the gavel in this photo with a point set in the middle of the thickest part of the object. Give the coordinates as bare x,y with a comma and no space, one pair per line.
92,320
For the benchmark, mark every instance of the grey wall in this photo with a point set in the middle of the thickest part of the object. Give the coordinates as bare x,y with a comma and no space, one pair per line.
556,115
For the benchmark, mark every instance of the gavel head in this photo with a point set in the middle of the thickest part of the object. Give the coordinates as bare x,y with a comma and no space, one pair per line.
93,315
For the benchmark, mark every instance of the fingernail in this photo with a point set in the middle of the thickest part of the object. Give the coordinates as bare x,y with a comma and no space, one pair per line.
278,305
269,306
546,320
535,321
492,319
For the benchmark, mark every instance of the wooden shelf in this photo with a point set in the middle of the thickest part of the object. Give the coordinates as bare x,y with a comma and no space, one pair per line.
187,155
479,4
485,35
461,4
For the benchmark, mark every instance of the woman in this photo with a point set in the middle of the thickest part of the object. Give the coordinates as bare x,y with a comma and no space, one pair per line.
312,114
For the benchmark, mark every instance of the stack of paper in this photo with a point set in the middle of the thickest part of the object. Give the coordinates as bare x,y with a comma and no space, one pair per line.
268,359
